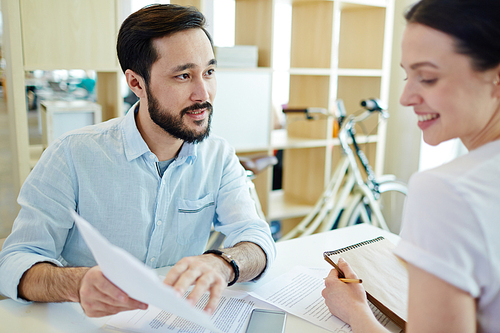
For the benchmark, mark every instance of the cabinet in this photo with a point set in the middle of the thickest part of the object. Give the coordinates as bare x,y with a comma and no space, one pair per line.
59,117
339,49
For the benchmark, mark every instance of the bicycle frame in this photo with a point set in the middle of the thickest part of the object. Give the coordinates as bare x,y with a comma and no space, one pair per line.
347,182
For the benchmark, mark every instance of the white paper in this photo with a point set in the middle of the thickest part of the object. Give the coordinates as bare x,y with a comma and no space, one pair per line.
230,316
135,278
299,292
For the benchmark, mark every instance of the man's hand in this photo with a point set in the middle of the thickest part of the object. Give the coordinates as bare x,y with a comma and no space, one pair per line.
99,297
212,273
45,282
207,272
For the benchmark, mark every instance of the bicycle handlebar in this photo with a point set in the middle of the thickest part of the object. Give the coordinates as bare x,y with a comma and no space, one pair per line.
347,129
372,104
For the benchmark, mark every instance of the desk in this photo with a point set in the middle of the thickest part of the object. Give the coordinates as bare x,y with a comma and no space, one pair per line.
306,251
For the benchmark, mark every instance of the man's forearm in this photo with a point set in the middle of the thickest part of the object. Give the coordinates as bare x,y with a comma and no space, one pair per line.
250,258
45,282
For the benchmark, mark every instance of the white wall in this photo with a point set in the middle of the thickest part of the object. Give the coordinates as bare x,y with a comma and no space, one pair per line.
402,150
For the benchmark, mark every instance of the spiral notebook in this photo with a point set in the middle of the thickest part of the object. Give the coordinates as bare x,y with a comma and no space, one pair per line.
384,275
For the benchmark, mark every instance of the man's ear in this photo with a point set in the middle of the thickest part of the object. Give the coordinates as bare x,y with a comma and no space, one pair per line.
136,83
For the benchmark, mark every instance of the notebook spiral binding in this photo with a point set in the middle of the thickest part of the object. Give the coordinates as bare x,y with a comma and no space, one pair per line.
354,246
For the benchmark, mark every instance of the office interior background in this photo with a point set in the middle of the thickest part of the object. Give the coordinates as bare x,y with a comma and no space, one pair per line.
404,152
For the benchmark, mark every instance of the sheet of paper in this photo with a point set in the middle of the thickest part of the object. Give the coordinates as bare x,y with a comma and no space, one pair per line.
136,279
231,316
299,293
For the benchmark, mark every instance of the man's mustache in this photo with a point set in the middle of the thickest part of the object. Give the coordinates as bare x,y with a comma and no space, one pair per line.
197,106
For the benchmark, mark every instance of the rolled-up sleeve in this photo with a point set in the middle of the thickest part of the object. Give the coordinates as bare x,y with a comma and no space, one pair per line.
40,230
237,216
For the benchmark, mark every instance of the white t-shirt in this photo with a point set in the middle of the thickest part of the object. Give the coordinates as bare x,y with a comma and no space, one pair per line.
451,227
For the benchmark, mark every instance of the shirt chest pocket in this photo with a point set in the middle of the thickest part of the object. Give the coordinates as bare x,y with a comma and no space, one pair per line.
194,219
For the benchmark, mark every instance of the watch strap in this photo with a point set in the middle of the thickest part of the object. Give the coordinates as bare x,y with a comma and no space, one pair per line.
230,260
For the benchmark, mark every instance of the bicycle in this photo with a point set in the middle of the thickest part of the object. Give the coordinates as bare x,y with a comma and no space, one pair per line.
348,198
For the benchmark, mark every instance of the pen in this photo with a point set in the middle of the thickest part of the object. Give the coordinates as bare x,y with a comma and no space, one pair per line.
349,280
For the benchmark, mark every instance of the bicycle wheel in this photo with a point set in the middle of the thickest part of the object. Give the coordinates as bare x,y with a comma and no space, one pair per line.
391,201
390,204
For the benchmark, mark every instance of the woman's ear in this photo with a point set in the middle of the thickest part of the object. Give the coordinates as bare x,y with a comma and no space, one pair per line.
496,82
136,83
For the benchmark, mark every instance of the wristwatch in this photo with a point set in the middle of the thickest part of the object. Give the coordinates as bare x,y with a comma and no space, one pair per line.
230,260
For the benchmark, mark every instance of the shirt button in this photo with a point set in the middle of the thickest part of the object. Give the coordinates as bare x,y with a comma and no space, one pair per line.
152,259
152,156
158,223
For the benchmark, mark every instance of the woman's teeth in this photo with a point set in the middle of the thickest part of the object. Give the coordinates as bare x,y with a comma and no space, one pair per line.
429,116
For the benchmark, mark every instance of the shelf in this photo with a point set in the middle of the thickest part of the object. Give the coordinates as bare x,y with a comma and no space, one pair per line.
361,36
359,72
348,4
311,71
281,140
360,139
69,34
285,208
312,31
245,69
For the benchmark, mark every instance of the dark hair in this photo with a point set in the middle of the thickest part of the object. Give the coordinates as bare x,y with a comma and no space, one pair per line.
135,47
474,24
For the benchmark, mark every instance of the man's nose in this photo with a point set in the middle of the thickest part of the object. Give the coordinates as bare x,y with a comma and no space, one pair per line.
200,91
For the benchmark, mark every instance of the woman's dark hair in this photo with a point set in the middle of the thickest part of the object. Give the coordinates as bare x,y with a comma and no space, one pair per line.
474,24
135,47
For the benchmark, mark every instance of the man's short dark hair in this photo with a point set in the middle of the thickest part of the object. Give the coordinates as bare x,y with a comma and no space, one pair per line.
135,47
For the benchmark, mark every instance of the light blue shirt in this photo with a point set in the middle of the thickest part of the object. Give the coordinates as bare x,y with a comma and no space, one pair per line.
107,173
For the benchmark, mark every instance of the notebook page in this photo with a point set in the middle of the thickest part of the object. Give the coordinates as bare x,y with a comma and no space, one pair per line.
384,275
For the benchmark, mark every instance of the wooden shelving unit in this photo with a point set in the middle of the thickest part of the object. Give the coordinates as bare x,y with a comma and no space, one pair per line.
339,49
53,35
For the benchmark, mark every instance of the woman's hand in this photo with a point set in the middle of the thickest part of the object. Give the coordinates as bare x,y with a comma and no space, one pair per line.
344,300
348,301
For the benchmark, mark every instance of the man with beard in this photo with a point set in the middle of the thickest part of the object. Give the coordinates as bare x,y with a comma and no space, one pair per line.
152,182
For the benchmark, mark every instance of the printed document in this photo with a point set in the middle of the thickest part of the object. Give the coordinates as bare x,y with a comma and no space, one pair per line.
136,279
299,292
230,316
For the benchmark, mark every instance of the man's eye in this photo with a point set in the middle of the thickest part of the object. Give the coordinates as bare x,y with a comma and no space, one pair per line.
211,71
183,76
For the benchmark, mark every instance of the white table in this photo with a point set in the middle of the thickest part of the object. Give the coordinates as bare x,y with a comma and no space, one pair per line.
306,251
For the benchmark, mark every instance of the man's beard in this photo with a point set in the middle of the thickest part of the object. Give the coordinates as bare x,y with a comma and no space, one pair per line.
174,125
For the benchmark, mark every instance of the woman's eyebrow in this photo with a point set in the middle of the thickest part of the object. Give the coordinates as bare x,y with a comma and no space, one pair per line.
421,64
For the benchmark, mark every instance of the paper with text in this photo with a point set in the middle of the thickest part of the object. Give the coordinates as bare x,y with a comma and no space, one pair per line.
230,316
136,279
299,293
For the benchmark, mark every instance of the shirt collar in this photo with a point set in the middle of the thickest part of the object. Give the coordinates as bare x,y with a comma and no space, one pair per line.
135,145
